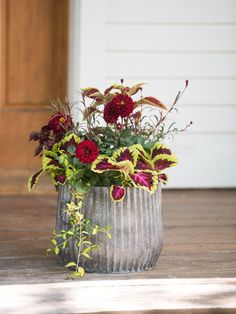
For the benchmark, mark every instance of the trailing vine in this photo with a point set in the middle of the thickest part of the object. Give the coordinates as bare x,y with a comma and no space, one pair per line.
81,231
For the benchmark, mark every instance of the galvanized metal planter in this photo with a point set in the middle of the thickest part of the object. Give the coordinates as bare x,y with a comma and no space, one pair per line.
136,228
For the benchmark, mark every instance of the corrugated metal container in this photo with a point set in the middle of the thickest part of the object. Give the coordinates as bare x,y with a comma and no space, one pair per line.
136,229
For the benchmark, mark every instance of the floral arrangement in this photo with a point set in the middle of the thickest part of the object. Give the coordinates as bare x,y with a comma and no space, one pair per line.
117,144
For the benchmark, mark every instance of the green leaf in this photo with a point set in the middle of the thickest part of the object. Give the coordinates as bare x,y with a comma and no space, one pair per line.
54,241
70,232
79,273
95,230
79,174
106,181
48,251
57,250
71,150
148,145
81,187
75,161
70,264
94,179
87,242
86,255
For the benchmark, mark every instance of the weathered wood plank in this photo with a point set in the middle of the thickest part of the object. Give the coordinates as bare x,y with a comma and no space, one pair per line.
119,295
199,227
199,242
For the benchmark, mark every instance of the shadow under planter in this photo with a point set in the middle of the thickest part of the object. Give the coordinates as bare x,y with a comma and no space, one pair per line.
136,229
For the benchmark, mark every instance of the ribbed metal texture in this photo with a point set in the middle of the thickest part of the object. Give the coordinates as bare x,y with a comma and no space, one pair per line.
136,228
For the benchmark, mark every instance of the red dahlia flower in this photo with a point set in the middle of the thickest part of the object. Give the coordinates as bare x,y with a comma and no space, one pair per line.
86,151
124,103
111,113
60,123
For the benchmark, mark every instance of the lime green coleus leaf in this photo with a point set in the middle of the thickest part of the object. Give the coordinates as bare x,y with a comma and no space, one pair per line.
70,172
49,161
67,141
34,179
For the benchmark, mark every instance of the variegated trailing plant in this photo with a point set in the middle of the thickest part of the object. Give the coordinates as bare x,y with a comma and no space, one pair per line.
117,144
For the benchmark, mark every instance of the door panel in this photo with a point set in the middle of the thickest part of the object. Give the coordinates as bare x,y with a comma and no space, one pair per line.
33,71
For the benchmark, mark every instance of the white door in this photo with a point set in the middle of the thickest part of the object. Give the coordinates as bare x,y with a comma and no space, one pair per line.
164,43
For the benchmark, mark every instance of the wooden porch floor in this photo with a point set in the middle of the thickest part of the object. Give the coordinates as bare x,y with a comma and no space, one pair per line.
196,272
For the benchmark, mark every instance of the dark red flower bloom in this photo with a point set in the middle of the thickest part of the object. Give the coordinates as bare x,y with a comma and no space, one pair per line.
86,151
60,123
111,113
124,103
120,105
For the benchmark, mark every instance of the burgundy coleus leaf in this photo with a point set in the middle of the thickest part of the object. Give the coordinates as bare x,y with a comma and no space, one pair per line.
61,178
55,163
117,193
142,165
159,149
125,155
102,164
143,179
34,179
34,136
164,161
38,150
163,177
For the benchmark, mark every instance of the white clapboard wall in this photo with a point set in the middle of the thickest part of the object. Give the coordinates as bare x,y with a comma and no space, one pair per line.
164,43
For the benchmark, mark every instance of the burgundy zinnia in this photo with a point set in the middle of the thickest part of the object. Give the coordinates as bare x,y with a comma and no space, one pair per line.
60,123
124,103
86,151
111,113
